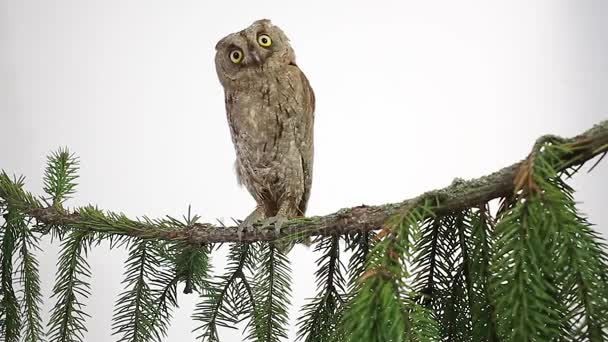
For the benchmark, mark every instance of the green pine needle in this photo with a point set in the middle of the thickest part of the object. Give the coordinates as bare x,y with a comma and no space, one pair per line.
29,280
228,300
13,195
422,326
320,317
381,311
190,263
360,244
67,322
60,176
477,225
441,275
10,312
272,292
580,256
137,316
17,235
432,258
523,281
549,268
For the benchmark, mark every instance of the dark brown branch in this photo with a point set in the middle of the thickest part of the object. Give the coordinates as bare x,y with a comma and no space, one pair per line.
459,195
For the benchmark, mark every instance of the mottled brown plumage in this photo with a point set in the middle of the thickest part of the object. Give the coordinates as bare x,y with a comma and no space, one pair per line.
270,108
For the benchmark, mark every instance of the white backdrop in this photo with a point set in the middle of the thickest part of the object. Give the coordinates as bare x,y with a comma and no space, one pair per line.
410,94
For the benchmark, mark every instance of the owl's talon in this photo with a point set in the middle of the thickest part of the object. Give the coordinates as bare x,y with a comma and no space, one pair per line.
277,222
248,222
242,228
239,232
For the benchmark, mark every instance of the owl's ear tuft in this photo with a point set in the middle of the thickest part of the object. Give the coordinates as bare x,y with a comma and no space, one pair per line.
220,43
263,22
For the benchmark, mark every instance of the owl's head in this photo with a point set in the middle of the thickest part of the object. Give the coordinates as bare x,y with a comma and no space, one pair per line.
259,46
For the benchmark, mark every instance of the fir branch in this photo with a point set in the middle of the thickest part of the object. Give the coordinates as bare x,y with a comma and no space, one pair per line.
547,268
137,316
529,263
191,266
477,225
272,290
320,317
10,318
456,322
67,322
584,292
454,198
522,292
439,275
360,244
13,195
426,271
382,294
422,326
579,255
60,176
191,263
229,300
180,263
29,280
16,235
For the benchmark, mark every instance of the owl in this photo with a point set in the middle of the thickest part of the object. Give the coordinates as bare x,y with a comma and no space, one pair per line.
270,108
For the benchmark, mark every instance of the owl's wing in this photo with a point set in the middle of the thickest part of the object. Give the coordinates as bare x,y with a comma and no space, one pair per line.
234,124
305,138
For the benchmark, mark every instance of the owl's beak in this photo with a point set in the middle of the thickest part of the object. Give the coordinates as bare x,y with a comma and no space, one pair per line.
256,58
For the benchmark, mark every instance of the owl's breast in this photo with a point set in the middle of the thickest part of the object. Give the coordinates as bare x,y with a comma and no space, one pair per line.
264,112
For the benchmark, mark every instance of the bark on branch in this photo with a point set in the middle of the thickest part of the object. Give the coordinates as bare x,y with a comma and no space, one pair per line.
458,196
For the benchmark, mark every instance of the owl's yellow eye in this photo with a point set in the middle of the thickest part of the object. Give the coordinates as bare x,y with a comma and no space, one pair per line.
236,56
264,40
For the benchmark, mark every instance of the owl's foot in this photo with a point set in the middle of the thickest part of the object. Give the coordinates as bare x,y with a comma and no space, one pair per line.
247,224
277,222
285,244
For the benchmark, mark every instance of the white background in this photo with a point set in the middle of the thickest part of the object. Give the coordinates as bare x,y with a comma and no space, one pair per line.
410,94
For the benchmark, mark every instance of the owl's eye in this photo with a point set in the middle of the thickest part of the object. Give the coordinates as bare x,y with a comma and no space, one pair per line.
264,40
236,56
